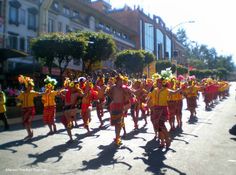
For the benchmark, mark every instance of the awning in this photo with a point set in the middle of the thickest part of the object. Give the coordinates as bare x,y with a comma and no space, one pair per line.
11,53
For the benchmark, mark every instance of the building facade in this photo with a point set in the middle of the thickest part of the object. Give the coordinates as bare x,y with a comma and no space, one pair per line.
22,20
153,36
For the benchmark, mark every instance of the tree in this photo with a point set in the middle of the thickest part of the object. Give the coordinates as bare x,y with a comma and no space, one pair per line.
222,73
162,65
182,37
133,61
58,47
148,57
100,46
44,49
225,62
181,70
196,63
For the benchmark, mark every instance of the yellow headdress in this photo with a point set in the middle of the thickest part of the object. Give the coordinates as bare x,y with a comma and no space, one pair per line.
25,80
126,79
119,77
50,82
67,82
101,80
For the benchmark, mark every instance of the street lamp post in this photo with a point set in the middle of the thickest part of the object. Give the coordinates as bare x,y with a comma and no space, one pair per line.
172,43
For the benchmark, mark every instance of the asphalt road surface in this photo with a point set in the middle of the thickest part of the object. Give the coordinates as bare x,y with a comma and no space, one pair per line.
204,147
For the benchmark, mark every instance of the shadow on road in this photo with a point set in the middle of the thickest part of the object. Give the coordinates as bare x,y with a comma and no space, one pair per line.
233,130
193,120
154,157
92,133
178,133
105,158
132,134
16,143
56,151
19,126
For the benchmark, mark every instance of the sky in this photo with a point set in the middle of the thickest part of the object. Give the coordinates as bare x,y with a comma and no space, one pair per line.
214,26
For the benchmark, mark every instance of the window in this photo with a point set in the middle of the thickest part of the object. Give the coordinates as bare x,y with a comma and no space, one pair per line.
68,29
168,47
13,41
149,37
22,16
13,15
22,44
59,27
101,25
31,21
66,11
160,44
50,25
56,5
75,13
108,28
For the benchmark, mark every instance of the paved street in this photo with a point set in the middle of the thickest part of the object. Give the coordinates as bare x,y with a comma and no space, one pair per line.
203,148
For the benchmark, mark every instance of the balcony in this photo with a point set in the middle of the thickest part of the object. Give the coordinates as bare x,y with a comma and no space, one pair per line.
116,36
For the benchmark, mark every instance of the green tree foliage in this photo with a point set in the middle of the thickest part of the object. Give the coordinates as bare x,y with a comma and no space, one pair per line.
59,48
181,70
148,57
44,49
133,61
202,57
163,64
222,73
182,37
100,46
196,63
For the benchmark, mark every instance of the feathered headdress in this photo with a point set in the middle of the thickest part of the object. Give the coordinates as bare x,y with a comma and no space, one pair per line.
180,77
156,76
50,82
166,74
119,77
191,79
68,83
25,80
101,80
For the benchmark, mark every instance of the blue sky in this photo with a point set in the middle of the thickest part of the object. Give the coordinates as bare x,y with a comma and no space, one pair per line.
214,20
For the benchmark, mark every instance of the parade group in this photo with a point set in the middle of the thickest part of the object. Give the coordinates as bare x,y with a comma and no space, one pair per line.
161,97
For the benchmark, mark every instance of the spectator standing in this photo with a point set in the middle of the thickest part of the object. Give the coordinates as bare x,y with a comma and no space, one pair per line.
3,110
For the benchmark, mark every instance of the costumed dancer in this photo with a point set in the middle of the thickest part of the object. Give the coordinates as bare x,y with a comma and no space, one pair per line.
26,101
101,89
179,101
159,107
148,87
206,93
127,102
3,109
48,100
191,94
118,95
141,94
89,96
110,83
172,104
70,109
